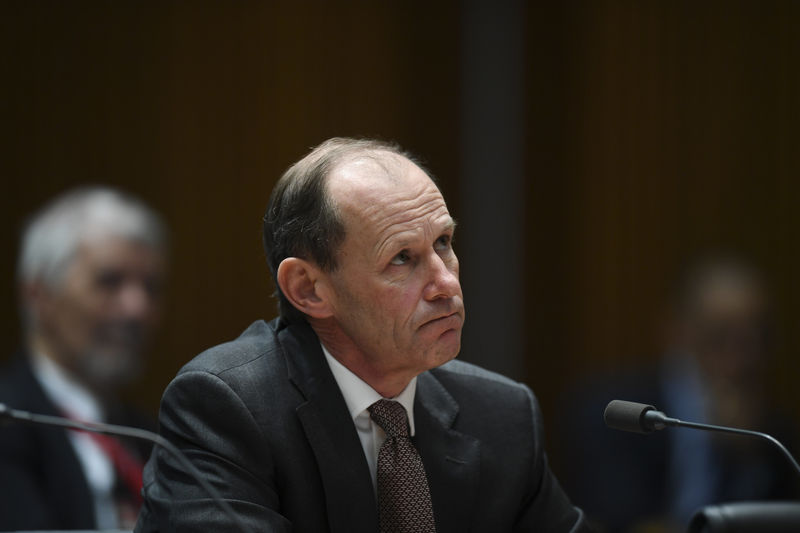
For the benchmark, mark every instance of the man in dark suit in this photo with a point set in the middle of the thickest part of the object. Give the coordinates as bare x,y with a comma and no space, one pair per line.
89,273
286,421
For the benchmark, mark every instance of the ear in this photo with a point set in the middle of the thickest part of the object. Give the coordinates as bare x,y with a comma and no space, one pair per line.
35,295
299,281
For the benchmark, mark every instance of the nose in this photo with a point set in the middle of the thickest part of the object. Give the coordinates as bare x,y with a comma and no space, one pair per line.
135,300
443,281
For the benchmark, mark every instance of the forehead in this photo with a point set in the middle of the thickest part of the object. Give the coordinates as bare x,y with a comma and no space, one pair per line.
116,252
730,297
382,194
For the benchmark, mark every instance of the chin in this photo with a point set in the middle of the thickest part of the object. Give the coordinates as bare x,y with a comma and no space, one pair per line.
113,367
448,350
450,340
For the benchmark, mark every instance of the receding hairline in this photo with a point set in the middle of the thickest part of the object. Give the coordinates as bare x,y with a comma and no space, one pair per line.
384,157
337,152
391,165
374,174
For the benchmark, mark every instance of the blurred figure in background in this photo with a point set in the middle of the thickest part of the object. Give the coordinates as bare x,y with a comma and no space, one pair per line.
89,276
718,346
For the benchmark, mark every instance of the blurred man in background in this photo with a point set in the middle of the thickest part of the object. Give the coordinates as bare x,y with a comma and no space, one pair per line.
717,351
89,275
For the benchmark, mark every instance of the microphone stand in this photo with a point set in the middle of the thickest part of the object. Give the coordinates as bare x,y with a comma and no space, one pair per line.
657,420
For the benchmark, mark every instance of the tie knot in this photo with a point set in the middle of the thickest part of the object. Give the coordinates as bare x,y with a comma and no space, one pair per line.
391,417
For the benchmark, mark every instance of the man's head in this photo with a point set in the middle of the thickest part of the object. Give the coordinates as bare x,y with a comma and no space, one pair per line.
723,319
90,271
360,244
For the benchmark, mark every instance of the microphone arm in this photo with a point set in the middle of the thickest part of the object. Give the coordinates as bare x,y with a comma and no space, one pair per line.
7,413
642,418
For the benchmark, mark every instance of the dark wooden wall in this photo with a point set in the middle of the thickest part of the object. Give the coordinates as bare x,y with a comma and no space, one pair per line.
658,130
653,130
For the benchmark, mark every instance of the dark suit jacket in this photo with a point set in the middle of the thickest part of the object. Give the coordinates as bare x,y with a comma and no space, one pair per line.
264,420
42,485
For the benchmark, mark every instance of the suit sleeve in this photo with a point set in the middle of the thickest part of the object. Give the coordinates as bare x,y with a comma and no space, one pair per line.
546,507
205,418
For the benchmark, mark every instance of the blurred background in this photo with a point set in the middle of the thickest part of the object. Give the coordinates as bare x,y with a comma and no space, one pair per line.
587,149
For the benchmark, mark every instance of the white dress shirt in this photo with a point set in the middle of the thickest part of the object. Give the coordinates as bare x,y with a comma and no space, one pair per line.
359,396
76,402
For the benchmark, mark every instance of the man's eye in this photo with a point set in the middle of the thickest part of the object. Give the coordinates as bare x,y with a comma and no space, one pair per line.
400,259
109,280
443,242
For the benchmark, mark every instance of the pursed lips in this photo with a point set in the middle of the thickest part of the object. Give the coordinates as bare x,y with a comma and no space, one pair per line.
451,320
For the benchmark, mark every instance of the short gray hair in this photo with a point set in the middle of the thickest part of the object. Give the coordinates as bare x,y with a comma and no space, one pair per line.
53,235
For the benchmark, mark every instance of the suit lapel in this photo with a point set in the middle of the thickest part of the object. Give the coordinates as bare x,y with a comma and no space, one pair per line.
452,459
350,497
73,507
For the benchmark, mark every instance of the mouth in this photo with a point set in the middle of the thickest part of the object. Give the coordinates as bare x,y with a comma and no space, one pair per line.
128,336
446,322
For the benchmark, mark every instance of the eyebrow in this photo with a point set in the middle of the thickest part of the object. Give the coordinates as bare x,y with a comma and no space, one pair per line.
450,226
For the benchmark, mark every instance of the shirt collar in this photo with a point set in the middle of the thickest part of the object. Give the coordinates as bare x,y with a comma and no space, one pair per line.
358,395
72,398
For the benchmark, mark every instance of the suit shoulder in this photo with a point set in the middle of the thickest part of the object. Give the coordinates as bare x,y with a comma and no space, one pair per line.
256,342
19,387
463,380
486,402
456,369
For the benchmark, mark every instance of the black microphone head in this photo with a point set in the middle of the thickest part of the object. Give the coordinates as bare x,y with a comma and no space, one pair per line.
627,416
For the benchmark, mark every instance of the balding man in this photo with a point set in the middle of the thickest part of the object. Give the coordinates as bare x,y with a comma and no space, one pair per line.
348,413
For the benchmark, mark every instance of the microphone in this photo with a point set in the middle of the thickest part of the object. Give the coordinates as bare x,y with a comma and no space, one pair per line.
642,418
7,413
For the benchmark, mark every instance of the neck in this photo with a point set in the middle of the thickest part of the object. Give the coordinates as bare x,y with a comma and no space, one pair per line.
386,386
39,345
385,381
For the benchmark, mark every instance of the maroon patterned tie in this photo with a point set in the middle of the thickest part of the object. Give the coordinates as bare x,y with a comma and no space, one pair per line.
404,499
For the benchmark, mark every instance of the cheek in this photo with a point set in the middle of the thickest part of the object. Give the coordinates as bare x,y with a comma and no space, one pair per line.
386,305
453,264
403,306
80,313
67,325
